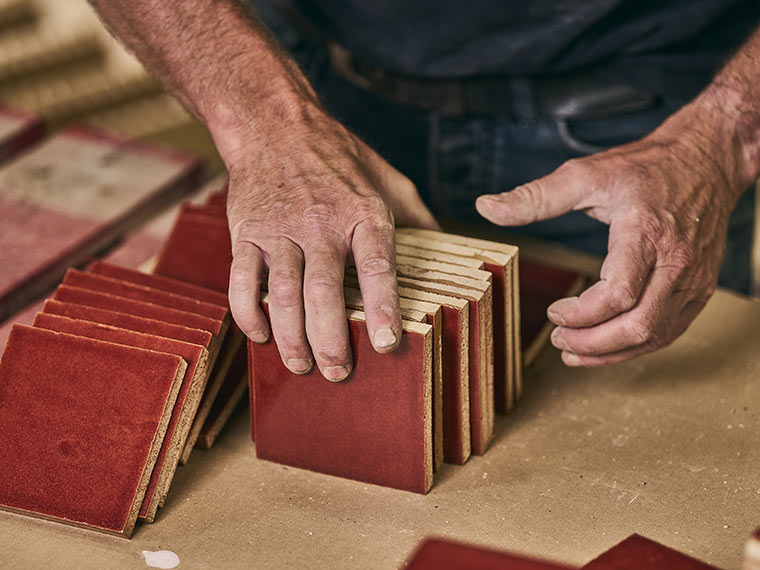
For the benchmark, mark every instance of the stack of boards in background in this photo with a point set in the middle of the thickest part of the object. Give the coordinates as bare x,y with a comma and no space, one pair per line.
58,61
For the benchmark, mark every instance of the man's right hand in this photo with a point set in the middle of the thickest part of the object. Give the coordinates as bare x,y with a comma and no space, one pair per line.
305,197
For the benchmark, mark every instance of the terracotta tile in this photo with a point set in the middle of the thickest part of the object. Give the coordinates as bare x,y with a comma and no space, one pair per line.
441,554
82,426
455,375
637,552
230,394
480,345
94,282
540,286
380,418
229,353
502,264
69,294
188,398
129,321
198,250
158,282
421,312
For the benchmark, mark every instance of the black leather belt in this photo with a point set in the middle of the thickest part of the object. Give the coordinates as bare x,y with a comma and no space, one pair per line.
587,95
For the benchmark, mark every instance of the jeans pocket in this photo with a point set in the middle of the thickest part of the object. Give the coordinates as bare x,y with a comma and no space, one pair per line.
573,142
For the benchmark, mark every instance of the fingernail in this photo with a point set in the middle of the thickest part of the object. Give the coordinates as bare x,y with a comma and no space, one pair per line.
555,317
384,337
259,337
571,359
336,373
558,341
299,365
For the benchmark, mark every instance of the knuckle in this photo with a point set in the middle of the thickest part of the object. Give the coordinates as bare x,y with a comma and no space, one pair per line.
622,297
322,284
246,230
640,331
376,266
319,219
242,280
650,225
285,290
372,207
573,166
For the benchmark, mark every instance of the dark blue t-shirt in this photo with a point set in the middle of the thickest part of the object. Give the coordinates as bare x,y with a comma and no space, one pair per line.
657,41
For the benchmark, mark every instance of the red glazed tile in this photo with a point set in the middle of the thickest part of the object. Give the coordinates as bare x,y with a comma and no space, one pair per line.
93,282
374,427
480,351
440,554
130,322
159,282
198,250
637,552
69,294
228,356
188,398
82,425
540,286
18,131
230,394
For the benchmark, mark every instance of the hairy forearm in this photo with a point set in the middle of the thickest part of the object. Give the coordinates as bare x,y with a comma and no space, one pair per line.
727,115
217,59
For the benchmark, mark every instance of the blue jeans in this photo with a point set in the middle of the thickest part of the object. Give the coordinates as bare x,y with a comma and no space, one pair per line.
454,160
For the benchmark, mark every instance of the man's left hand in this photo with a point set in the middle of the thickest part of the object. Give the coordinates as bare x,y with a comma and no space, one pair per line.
667,200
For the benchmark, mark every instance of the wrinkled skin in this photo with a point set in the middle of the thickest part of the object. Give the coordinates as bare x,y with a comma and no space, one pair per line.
303,200
667,200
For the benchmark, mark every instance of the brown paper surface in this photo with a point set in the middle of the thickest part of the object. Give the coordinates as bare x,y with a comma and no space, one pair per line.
667,446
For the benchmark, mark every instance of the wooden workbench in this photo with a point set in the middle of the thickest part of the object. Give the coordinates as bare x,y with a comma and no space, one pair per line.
667,446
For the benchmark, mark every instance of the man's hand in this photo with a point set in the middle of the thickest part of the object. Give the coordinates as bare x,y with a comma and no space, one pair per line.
667,200
305,196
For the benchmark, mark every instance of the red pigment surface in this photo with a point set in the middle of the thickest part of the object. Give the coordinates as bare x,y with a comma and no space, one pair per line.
127,321
191,353
69,294
439,554
198,250
637,552
540,286
104,284
159,282
369,427
78,420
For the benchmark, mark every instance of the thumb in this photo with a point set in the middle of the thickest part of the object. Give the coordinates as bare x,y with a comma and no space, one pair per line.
541,199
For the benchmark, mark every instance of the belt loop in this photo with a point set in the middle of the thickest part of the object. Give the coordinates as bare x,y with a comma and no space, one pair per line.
524,98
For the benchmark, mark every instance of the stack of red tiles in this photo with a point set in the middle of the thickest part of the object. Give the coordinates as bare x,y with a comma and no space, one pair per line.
399,416
101,398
